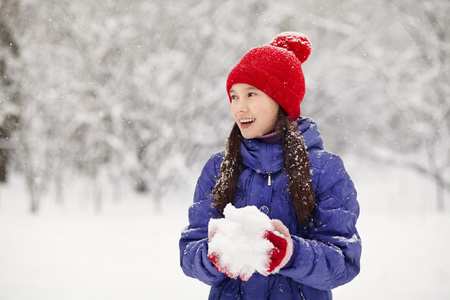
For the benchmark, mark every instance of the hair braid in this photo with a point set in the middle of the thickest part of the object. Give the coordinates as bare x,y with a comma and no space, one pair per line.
297,168
225,188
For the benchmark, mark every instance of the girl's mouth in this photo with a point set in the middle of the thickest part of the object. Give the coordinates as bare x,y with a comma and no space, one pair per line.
245,123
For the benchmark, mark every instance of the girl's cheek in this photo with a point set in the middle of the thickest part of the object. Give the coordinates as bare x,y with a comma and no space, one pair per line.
232,111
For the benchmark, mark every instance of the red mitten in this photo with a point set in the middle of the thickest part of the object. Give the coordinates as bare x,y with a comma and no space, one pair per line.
281,252
215,258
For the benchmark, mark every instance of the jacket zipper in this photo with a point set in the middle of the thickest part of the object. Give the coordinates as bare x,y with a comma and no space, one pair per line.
301,294
269,179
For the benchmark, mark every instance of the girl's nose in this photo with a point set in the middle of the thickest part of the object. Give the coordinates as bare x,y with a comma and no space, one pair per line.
243,108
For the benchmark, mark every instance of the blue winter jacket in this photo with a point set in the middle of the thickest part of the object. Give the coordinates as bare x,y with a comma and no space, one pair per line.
326,252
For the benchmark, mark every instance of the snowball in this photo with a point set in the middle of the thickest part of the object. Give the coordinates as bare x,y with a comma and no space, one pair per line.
239,241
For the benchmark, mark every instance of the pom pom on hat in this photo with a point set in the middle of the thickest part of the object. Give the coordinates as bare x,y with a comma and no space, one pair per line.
276,69
295,42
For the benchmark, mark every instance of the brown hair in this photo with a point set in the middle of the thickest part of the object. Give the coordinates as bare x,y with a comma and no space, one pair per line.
296,166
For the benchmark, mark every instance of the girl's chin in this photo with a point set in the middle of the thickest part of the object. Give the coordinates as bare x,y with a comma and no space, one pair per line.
249,135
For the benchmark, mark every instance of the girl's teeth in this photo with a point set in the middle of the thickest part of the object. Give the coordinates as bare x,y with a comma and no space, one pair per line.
247,120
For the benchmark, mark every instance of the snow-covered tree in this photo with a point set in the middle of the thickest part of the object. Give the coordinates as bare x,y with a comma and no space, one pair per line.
385,84
9,94
134,92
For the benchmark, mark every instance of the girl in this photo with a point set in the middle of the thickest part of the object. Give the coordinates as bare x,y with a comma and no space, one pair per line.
275,160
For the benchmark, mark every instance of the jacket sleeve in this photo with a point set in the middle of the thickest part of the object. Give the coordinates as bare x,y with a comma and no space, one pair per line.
330,254
194,239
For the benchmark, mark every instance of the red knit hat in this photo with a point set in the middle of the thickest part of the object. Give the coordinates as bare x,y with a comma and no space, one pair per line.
276,69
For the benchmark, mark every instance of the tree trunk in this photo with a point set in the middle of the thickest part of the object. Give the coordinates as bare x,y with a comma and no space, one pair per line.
3,164
33,190
440,193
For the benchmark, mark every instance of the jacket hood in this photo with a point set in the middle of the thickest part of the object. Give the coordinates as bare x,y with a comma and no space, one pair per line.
268,158
310,133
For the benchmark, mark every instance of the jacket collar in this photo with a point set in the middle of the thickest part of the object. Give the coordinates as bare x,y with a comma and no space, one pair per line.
262,157
268,158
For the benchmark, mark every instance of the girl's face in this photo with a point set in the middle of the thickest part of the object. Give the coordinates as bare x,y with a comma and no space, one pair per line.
254,112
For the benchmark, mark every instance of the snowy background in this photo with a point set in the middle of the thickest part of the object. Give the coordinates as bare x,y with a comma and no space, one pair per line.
109,109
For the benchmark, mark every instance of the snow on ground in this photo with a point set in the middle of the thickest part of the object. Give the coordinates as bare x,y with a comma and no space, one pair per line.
130,251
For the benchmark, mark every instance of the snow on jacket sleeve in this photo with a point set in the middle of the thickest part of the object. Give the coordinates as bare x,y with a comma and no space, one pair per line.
330,254
194,239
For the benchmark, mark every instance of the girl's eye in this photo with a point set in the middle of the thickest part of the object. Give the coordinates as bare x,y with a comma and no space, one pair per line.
233,97
251,94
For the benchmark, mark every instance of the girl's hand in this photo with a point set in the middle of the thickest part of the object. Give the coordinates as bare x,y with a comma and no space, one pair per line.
282,251
215,257
211,233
